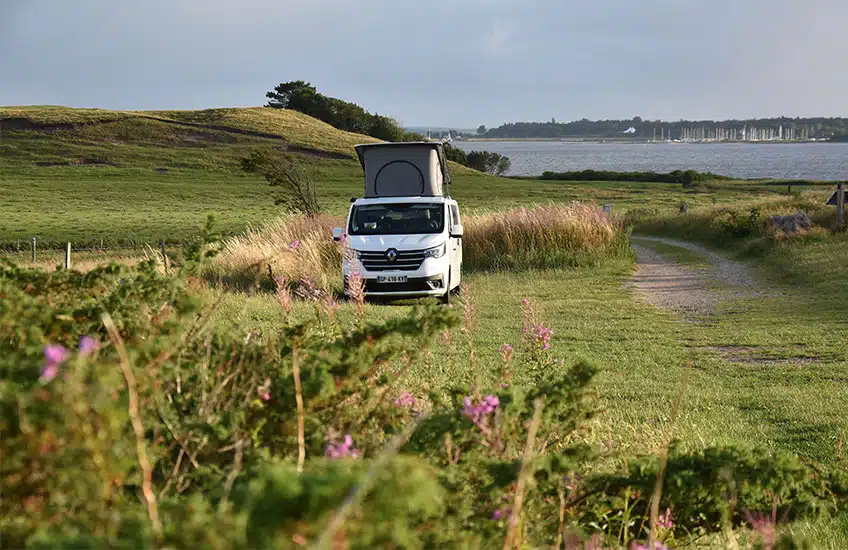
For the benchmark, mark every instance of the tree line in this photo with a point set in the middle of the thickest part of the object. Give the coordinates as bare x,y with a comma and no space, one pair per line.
820,127
686,177
301,96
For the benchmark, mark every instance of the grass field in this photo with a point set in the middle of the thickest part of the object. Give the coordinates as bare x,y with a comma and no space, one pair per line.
764,372
779,394
131,178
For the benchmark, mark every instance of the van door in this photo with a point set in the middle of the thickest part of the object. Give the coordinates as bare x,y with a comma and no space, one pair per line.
455,246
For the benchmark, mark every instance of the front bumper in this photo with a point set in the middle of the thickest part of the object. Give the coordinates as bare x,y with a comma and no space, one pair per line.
429,280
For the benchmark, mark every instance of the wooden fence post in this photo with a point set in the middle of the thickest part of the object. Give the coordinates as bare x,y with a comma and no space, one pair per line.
68,257
840,204
33,250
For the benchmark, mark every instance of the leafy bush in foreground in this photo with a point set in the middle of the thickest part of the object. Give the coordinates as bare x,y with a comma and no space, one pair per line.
128,423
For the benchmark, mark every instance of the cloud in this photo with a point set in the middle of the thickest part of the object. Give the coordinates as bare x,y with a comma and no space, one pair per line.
445,62
497,37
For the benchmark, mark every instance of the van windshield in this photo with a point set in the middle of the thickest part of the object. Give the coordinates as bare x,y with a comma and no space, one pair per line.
397,219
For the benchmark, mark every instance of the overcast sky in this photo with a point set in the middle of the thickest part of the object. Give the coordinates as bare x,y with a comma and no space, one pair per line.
456,63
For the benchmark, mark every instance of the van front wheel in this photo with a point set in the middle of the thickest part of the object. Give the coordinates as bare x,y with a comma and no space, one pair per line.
446,299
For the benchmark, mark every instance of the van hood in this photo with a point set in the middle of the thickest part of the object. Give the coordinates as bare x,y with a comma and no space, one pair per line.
400,242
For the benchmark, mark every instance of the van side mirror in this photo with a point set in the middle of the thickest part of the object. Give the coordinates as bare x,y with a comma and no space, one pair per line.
338,233
457,231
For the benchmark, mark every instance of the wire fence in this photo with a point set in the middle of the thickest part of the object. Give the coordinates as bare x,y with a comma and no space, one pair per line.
89,245
33,253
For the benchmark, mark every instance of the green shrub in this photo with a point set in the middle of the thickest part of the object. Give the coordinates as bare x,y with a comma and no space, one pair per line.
719,485
148,428
488,162
687,178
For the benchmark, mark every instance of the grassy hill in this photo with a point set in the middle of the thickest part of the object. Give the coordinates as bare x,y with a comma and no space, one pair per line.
297,131
133,177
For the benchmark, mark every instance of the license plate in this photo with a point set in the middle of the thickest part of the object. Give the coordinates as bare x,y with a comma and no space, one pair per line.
391,279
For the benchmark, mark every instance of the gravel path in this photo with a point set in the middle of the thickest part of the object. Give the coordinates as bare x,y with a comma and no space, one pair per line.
664,283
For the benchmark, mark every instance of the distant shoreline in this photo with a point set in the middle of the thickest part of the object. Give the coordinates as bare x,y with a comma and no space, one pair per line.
636,141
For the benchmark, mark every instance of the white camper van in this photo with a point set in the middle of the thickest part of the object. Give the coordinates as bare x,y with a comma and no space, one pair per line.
404,237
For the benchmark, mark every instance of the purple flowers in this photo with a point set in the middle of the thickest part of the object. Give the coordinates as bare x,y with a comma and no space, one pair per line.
54,355
479,413
665,521
543,336
87,345
506,351
765,526
342,450
295,244
264,391
501,513
406,400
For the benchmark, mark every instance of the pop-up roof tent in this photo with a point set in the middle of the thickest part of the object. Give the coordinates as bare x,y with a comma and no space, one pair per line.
417,168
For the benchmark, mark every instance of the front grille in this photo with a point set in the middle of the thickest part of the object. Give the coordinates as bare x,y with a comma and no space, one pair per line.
407,260
413,285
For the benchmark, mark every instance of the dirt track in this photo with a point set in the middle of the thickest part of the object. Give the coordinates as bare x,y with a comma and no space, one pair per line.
664,283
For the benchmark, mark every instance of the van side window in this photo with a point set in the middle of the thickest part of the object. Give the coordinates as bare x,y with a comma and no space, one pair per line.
454,215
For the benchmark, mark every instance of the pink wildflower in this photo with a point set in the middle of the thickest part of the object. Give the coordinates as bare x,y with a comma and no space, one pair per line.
665,521
342,450
54,355
49,373
543,336
87,345
295,244
505,350
264,391
657,546
480,412
501,513
406,400
765,526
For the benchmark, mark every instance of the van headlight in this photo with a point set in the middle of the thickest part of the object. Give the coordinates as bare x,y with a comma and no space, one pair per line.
436,251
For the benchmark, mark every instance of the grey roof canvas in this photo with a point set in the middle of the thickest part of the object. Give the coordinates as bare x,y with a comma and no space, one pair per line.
404,169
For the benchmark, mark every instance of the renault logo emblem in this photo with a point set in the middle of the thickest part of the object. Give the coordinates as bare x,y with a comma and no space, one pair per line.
391,255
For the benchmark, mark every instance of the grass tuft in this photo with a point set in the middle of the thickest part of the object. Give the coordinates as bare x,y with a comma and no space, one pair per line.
543,237
296,248
301,249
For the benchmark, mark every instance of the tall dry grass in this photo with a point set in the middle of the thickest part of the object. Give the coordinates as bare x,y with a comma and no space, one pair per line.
718,225
296,248
543,237
302,249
